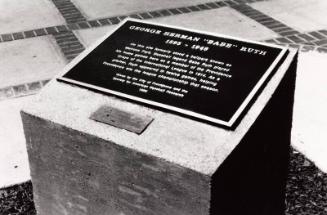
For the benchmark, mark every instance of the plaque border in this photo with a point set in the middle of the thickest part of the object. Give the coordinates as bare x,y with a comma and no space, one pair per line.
236,114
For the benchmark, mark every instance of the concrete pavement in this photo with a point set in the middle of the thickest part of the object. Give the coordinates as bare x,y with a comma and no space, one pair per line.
39,37
29,60
17,15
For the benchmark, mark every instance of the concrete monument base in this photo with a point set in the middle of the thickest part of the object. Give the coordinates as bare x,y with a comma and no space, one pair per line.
177,166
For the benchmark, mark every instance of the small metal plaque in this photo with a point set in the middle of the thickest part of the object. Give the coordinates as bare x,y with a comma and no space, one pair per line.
122,119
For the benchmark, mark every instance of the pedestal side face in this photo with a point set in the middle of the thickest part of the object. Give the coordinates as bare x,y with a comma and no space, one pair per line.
76,173
254,176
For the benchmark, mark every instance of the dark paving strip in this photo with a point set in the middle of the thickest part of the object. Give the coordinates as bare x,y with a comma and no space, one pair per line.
273,24
310,41
33,33
22,89
69,44
69,11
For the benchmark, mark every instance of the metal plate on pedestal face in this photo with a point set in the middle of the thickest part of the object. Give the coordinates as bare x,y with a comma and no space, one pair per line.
121,119
208,77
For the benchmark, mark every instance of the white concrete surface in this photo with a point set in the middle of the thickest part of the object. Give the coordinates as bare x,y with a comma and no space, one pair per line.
105,8
20,15
222,21
309,134
89,36
303,15
28,60
14,166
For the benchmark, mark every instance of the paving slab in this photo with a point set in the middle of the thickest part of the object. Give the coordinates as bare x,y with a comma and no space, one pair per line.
104,8
222,21
29,60
230,22
14,166
302,15
309,134
19,15
89,36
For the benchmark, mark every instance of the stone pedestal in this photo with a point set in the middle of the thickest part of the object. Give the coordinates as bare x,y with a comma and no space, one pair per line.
177,166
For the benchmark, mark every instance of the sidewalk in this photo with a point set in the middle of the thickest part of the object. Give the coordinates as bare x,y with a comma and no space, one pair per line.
39,37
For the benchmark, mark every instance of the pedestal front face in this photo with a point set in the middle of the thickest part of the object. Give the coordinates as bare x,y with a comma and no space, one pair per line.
74,173
203,76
